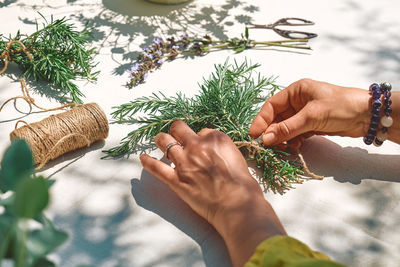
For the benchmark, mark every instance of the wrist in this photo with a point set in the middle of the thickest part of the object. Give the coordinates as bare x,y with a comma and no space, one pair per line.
245,224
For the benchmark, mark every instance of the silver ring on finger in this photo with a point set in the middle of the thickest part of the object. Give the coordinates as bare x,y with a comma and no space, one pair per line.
169,146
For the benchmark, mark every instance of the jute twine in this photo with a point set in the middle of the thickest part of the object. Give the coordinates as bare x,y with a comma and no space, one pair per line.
64,132
6,55
256,146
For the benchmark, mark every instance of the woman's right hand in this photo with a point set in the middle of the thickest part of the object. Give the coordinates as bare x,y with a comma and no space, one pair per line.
309,107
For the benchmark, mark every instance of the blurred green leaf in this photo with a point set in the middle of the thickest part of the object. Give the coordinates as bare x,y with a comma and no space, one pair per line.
6,224
6,233
17,164
246,33
50,182
43,262
31,197
8,201
43,241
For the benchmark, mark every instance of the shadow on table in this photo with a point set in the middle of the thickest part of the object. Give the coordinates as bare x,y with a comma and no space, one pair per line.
369,236
41,87
153,195
93,239
349,164
6,3
73,156
117,24
383,59
367,232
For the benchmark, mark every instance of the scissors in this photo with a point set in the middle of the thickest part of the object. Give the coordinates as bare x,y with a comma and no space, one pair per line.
288,33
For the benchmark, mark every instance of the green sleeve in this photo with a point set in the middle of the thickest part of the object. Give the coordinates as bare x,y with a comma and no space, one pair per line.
285,251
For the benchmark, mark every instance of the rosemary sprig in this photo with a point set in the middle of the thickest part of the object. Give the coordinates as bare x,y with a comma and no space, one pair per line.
56,53
228,101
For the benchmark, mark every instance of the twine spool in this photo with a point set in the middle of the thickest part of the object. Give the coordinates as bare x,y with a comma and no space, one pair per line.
64,132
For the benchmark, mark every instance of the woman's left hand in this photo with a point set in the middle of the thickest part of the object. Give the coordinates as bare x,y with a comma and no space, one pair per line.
212,177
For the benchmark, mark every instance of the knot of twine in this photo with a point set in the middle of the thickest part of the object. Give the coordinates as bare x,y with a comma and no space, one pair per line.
256,146
6,56
63,132
31,101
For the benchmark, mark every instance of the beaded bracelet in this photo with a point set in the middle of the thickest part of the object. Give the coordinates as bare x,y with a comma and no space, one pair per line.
373,136
386,120
376,113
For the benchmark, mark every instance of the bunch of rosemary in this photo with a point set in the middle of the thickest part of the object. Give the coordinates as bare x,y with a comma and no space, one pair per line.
56,53
228,101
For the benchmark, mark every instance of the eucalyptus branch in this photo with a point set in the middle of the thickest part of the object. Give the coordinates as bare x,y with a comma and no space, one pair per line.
228,101
56,53
154,56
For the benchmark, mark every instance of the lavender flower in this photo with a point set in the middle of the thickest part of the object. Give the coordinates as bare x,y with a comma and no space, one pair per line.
157,40
159,62
135,67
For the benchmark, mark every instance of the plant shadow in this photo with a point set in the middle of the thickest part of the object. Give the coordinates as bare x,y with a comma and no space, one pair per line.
120,26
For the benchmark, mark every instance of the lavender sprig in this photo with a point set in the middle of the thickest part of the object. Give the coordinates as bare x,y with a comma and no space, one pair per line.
154,56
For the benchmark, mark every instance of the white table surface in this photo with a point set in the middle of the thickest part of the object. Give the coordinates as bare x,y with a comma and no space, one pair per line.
118,215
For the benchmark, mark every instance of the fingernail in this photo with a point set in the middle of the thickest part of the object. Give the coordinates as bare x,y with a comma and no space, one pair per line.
268,138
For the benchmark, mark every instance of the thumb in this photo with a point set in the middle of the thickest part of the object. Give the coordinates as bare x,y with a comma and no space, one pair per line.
285,130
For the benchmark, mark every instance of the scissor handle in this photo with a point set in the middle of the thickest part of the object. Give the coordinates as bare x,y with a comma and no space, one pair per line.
293,22
295,34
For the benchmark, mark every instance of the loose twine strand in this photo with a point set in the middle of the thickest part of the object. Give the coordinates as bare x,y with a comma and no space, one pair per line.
31,101
256,146
63,132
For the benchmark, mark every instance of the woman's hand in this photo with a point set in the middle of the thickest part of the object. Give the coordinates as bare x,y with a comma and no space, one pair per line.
211,176
310,107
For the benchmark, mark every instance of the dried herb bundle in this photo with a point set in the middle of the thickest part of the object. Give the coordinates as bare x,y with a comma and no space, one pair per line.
56,53
153,56
228,101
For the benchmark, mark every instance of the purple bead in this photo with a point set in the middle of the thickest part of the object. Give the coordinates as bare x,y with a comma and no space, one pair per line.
388,111
387,94
386,86
376,111
375,120
374,87
367,141
376,103
374,127
371,132
376,94
384,129
388,102
378,142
